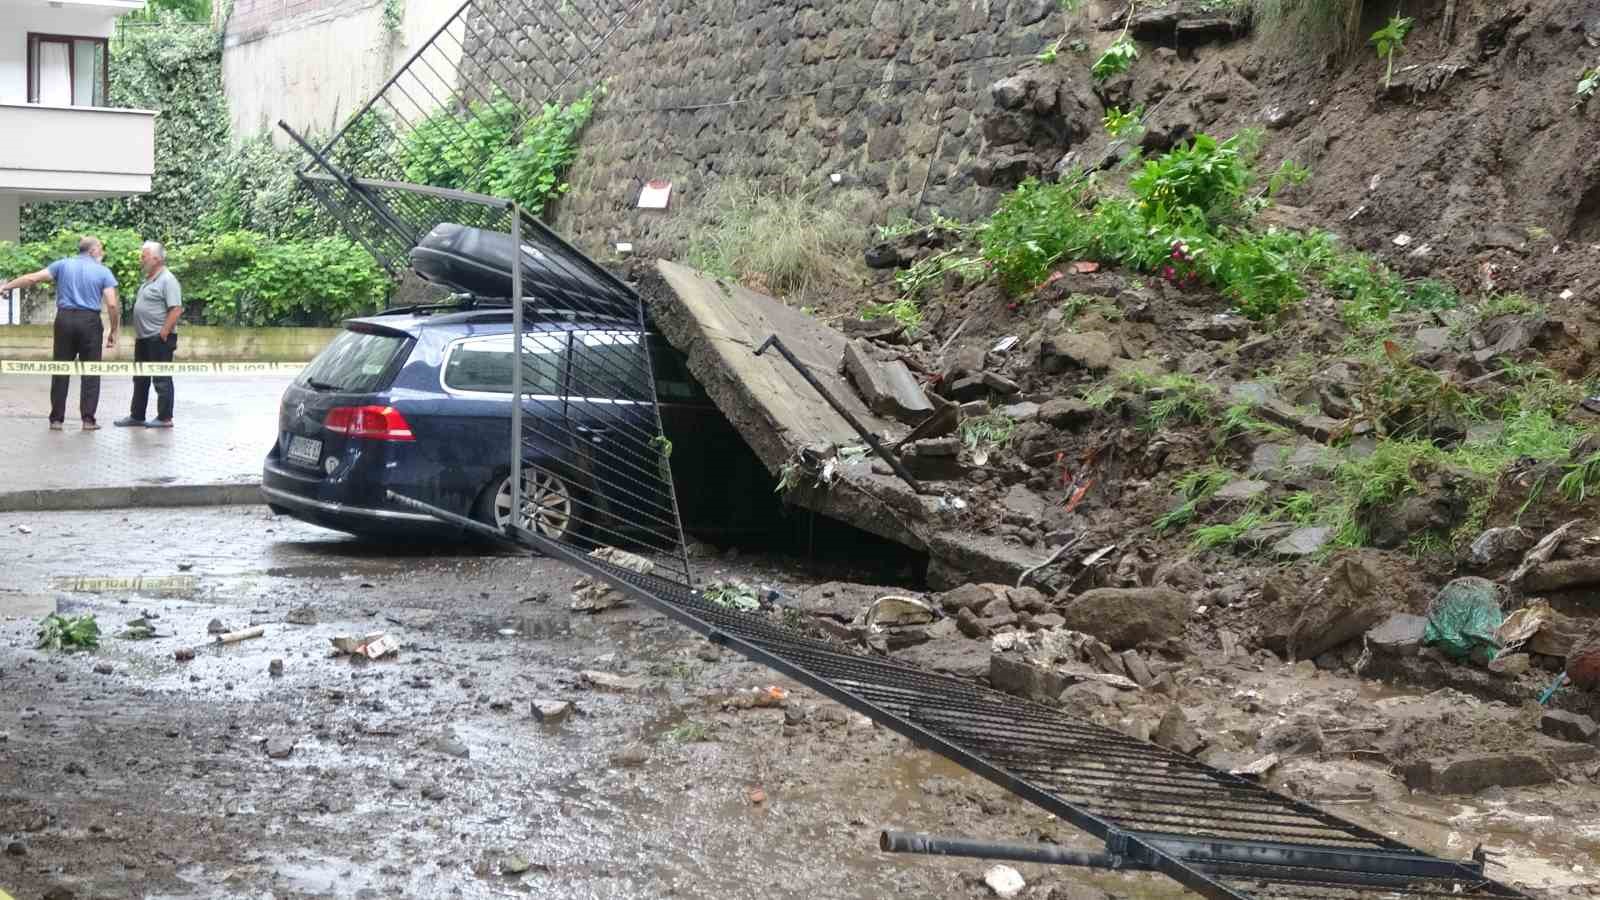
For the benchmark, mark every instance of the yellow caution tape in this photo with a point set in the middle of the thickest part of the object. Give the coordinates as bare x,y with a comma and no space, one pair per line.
26,367
90,584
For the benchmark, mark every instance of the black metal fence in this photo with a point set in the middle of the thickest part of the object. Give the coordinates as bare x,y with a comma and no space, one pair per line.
453,111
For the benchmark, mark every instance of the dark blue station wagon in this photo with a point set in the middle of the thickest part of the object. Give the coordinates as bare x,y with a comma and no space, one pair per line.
418,402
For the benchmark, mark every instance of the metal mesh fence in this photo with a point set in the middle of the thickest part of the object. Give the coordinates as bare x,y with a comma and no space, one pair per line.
456,114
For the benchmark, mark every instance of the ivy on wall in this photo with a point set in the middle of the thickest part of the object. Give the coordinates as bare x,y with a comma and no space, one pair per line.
174,67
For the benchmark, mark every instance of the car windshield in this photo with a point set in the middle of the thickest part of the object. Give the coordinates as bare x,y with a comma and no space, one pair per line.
354,363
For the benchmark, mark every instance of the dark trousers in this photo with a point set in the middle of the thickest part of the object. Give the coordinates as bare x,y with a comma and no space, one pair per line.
79,336
153,349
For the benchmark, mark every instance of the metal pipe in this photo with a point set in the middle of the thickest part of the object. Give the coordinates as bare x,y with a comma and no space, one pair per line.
516,370
908,842
883,452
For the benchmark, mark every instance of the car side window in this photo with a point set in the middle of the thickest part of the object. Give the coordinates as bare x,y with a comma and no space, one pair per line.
673,381
484,364
608,365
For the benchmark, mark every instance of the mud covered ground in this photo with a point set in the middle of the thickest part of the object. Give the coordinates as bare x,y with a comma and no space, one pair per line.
124,773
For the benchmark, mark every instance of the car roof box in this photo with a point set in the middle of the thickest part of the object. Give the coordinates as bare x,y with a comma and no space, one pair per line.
478,261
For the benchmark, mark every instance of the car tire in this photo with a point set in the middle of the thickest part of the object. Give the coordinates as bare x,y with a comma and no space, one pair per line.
552,502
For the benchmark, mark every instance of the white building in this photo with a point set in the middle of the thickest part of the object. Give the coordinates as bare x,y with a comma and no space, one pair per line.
58,138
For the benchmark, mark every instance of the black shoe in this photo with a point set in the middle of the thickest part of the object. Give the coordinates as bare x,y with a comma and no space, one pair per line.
130,422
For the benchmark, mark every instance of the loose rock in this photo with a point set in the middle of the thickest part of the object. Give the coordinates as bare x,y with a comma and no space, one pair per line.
1568,726
1175,732
551,711
280,747
1126,617
1004,881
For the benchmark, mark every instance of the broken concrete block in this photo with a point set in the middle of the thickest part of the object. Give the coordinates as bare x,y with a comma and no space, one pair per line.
607,681
967,596
1066,413
1303,542
1305,624
965,361
1000,384
551,711
1398,635
1015,674
1499,545
1026,411
1560,574
1512,665
1470,774
1175,732
957,656
933,447
889,388
967,389
1298,738
1137,668
1089,350
975,409
1021,503
1568,726
1127,617
1242,491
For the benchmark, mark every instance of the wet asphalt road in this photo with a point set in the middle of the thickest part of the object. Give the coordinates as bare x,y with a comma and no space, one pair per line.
125,773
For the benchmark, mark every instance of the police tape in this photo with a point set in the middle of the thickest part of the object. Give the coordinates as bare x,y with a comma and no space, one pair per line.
92,584
187,369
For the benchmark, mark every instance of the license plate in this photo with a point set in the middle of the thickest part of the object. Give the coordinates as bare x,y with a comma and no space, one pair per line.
305,450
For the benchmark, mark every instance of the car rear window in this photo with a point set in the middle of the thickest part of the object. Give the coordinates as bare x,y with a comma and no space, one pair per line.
355,363
484,364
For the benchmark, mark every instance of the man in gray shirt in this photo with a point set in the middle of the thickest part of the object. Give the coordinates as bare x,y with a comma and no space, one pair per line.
155,333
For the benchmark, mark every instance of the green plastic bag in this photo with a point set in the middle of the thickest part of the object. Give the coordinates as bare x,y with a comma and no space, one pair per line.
1464,616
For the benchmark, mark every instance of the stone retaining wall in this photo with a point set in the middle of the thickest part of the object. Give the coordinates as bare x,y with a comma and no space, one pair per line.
889,95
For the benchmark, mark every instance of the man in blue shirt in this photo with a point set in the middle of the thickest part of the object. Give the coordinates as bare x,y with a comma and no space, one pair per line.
83,286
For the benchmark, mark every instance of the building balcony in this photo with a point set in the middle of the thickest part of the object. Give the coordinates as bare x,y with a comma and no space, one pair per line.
75,152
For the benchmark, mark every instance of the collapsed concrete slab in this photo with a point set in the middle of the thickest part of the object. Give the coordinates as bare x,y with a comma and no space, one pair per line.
718,325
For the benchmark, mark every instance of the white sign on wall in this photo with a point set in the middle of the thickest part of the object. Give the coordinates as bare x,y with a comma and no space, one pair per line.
655,194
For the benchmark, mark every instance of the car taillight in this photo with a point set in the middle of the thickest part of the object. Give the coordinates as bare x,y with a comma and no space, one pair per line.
380,423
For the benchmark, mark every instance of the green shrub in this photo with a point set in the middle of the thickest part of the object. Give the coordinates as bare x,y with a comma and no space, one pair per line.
1205,175
495,148
1034,227
245,278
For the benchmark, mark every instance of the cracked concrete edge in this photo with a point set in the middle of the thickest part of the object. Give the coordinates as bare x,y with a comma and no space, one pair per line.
132,497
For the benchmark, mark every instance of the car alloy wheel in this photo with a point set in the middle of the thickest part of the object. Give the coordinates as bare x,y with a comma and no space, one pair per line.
546,504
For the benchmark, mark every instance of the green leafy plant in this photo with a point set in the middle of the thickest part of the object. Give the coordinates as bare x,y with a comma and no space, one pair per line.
1507,305
903,310
1588,86
1226,534
58,632
1118,58
394,16
1580,479
1205,175
689,733
733,595
1193,488
1118,123
915,279
1390,40
987,432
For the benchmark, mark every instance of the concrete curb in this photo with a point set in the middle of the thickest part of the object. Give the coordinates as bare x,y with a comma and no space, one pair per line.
132,497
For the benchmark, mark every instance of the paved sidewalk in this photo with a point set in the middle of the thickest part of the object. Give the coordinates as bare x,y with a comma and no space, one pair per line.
225,426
